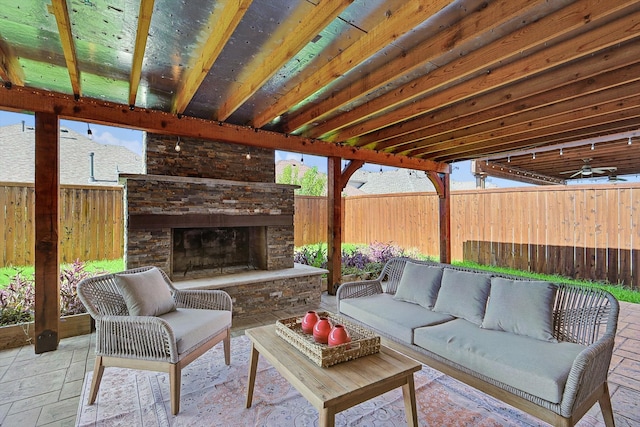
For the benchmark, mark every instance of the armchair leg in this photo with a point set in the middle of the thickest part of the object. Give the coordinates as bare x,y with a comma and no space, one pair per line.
175,378
605,407
98,370
227,348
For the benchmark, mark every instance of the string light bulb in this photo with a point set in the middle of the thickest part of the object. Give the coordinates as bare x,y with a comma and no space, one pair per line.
89,132
561,151
508,159
248,156
177,147
593,145
629,142
534,156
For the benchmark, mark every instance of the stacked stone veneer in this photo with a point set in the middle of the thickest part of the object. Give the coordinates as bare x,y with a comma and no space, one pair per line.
164,195
204,178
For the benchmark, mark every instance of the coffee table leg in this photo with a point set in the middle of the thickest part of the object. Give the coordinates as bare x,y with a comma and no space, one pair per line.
409,394
253,366
327,417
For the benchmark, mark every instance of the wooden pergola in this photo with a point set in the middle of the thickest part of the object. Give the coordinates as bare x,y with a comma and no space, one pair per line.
416,85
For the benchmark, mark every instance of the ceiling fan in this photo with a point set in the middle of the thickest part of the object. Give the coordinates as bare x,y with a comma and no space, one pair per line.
587,171
615,178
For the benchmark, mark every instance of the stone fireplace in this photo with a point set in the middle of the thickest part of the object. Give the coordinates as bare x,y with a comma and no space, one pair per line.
199,227
212,217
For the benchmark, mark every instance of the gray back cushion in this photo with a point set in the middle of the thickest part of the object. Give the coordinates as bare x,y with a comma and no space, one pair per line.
419,284
145,293
463,294
522,307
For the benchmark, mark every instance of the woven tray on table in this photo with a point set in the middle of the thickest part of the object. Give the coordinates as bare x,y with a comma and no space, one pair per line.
363,341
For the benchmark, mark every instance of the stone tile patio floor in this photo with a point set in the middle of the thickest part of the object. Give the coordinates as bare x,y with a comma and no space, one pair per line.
43,390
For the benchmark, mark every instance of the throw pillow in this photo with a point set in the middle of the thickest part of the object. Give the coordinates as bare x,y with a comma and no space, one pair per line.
419,284
521,307
145,293
463,294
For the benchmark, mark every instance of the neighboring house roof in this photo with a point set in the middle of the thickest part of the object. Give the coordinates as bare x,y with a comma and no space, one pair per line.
17,161
385,182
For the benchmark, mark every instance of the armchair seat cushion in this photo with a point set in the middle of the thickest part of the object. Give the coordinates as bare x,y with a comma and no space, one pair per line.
193,326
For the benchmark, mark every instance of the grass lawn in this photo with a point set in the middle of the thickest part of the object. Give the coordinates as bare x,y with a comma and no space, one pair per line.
111,266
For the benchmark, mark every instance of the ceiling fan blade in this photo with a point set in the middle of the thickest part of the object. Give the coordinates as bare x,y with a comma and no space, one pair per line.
576,174
604,169
574,171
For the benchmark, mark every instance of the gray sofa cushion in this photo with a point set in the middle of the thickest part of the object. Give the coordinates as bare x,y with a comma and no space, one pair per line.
463,294
145,293
537,367
419,284
191,326
522,307
391,317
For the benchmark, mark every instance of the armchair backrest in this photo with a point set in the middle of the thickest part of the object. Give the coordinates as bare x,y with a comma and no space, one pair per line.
101,296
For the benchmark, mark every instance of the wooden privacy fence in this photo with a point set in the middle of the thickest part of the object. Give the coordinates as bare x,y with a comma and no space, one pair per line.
588,232
91,223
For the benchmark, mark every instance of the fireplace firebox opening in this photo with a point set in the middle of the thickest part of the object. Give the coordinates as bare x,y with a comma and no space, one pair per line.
211,251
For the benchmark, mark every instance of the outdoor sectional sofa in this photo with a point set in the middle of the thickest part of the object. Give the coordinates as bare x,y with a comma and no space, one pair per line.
542,347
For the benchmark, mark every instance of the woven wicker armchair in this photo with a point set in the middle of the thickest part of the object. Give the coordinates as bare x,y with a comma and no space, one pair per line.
198,320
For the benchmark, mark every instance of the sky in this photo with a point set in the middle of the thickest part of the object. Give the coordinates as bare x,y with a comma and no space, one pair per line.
132,139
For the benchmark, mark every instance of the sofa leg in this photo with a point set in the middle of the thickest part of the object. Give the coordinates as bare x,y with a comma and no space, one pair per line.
605,407
175,379
98,370
227,348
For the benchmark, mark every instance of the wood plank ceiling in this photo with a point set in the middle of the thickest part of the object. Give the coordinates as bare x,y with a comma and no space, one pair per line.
416,84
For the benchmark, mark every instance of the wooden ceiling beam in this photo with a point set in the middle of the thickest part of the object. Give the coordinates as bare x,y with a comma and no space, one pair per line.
626,121
596,73
307,29
111,114
533,37
485,18
10,70
407,17
480,167
142,33
222,23
61,13
550,114
474,112
576,119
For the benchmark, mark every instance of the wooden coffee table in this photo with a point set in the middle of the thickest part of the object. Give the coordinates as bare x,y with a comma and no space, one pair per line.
339,387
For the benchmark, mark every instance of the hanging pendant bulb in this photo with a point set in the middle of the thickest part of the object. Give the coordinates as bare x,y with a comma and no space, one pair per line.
629,143
534,156
561,151
301,158
89,132
177,147
593,146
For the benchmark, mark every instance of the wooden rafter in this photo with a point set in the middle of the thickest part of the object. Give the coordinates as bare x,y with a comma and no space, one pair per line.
485,18
323,13
408,16
222,24
596,73
61,13
20,98
10,71
576,120
142,33
530,38
535,121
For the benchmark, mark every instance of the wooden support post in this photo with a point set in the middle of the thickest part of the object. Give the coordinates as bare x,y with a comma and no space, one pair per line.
334,224
47,218
336,180
442,184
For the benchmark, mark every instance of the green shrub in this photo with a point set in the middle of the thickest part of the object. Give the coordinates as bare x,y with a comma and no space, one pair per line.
17,300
